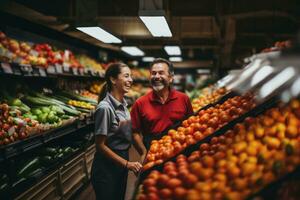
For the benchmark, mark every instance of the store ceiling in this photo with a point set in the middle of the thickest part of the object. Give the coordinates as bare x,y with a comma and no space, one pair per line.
221,31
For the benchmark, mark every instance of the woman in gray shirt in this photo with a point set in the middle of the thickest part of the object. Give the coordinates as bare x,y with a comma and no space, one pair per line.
113,136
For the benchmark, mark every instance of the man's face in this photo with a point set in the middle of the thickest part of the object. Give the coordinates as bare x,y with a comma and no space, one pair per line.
160,77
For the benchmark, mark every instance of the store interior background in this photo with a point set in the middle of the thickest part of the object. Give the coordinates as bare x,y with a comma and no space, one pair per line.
215,36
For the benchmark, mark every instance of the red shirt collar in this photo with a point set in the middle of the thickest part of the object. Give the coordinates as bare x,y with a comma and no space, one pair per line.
154,97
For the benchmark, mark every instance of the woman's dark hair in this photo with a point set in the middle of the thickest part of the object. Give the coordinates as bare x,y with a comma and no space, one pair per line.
113,70
161,60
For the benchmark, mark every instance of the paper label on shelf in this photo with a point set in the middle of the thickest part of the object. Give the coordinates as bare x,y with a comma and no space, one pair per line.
42,72
6,68
81,71
66,68
59,69
75,71
51,70
26,69
17,70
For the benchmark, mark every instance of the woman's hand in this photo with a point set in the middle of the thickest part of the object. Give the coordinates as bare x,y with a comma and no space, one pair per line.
135,167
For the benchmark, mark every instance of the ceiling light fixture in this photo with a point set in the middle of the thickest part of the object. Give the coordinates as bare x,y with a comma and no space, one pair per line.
173,50
132,50
148,59
99,34
175,59
157,25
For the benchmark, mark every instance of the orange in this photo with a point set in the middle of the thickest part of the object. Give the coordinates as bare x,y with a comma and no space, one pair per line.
240,184
233,171
208,161
248,168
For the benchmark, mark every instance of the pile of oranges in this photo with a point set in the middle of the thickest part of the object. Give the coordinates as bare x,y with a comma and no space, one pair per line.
195,128
207,98
233,166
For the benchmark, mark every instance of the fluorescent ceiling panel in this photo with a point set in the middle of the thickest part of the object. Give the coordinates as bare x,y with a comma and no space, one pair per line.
148,59
157,25
99,34
173,50
175,59
133,51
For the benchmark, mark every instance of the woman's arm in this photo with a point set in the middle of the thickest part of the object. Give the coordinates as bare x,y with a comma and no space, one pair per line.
107,152
139,146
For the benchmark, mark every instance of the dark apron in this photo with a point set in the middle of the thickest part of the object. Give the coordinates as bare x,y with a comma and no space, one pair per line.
108,178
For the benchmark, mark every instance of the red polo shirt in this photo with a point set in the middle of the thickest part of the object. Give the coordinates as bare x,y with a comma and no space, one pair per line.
150,116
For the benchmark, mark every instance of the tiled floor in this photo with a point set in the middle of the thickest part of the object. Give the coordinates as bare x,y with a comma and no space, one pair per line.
88,192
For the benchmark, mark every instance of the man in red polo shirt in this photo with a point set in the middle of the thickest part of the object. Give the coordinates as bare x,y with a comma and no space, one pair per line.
161,108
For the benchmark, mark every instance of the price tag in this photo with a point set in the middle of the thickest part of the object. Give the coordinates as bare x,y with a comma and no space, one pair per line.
66,69
42,72
51,70
75,71
26,69
59,68
6,68
35,71
81,71
16,69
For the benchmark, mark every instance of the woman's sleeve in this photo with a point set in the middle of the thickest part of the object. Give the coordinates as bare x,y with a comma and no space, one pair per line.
103,120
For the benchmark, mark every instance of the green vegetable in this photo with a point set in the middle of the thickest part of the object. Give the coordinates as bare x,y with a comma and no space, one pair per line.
16,102
68,150
59,111
34,172
61,155
49,151
78,97
36,111
46,160
3,187
19,181
28,167
45,109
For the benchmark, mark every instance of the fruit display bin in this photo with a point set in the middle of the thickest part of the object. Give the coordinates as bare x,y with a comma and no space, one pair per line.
259,109
37,140
253,112
176,125
283,166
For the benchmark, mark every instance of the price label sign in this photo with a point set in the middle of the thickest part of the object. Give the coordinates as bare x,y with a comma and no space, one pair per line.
51,70
42,72
75,71
81,71
6,68
59,68
16,69
35,71
66,69
26,69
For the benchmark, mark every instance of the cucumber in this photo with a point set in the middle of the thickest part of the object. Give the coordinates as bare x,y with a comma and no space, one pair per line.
34,172
46,160
29,167
3,187
18,182
60,156
49,151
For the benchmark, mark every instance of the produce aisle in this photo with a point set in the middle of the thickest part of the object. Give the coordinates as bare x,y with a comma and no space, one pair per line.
237,61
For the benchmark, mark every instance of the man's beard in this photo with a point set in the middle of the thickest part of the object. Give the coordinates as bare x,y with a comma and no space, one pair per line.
160,86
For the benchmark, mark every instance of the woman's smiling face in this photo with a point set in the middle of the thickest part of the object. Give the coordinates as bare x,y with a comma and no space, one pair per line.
124,80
